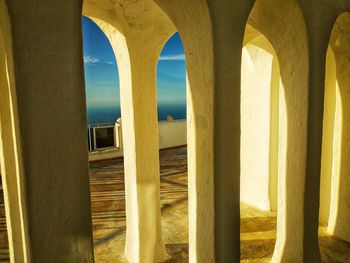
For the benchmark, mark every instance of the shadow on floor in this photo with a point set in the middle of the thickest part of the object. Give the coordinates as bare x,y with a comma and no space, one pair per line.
258,228
177,252
257,249
334,250
258,224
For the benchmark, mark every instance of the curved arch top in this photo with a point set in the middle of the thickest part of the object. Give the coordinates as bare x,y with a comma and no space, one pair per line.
284,26
142,20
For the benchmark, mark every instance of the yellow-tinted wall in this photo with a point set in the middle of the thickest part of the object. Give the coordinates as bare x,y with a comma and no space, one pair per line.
258,149
328,137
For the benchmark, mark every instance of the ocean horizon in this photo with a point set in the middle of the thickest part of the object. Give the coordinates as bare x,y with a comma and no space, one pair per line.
111,114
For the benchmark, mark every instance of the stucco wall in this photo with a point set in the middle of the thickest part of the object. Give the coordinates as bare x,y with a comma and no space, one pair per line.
255,126
339,191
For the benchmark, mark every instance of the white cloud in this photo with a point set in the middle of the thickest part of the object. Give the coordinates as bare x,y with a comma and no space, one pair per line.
180,57
90,60
93,60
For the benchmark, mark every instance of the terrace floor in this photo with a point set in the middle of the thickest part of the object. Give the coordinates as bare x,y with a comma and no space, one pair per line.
108,206
258,228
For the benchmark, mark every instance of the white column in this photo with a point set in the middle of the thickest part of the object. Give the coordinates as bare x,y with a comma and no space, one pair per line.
137,59
141,155
199,64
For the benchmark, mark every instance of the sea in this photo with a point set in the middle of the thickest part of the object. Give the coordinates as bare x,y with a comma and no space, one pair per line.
111,114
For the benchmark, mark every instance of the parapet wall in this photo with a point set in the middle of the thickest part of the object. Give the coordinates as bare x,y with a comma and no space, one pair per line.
171,134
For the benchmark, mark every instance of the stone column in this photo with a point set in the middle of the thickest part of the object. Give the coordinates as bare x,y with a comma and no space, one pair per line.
49,82
227,44
141,153
137,58
318,36
313,161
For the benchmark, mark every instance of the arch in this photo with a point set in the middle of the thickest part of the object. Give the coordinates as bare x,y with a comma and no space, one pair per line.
101,75
198,46
335,182
137,41
284,26
10,149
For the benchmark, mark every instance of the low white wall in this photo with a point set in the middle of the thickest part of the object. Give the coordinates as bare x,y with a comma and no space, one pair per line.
171,134
105,154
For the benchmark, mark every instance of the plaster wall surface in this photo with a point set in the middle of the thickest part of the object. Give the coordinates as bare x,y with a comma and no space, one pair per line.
329,148
255,126
255,38
340,187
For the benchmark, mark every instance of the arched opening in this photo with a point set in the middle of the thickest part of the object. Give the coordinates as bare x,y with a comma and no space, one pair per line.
137,46
171,95
104,126
334,232
260,116
198,48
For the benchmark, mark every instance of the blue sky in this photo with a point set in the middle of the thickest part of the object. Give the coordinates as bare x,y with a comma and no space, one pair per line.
101,73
